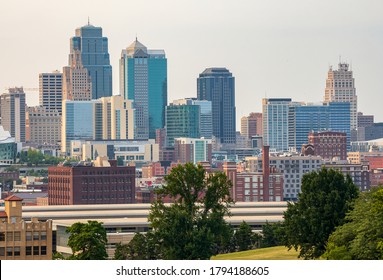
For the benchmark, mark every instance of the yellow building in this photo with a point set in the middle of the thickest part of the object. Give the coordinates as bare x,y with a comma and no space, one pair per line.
23,240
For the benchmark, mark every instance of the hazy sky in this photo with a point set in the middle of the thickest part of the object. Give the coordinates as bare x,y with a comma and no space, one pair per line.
273,48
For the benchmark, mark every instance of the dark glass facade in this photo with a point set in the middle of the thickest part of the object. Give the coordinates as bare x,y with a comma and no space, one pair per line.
94,57
218,86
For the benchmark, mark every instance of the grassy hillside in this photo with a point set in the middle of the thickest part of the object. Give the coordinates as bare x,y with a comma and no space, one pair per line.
272,253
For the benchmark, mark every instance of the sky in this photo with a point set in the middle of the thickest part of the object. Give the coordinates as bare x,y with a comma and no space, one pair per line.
273,48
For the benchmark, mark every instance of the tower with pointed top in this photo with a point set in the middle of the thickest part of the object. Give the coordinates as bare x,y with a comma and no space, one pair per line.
143,79
89,62
340,87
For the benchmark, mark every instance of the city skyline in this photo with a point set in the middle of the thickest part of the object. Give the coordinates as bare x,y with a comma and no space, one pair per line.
273,49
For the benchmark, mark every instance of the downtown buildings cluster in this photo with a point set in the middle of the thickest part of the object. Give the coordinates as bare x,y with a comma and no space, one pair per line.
125,143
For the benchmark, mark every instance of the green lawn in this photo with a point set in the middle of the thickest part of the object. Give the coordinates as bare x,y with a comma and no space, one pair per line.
272,253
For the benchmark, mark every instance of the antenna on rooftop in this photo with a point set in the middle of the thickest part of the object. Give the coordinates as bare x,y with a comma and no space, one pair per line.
88,21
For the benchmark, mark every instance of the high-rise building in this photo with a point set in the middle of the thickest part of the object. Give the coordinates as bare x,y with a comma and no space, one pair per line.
286,124
50,91
251,125
43,126
143,79
13,112
206,117
77,122
307,117
77,83
218,86
275,117
340,87
365,120
107,118
182,120
89,49
114,118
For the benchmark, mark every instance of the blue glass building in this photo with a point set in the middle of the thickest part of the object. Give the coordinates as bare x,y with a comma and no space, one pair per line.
304,118
143,79
77,122
218,86
93,49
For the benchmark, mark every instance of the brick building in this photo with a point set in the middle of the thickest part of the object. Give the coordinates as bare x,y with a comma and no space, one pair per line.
329,144
100,182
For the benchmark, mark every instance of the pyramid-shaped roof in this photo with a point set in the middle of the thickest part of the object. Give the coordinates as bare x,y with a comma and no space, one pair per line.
135,46
13,198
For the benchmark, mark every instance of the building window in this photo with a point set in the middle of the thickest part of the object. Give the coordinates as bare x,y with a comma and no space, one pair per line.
2,236
28,250
28,236
9,251
36,236
35,250
43,235
9,236
2,251
17,251
17,236
43,250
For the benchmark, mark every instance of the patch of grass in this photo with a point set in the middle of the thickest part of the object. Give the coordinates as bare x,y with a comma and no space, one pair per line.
272,253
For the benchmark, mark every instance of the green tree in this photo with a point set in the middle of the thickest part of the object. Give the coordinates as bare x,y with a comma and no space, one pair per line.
87,241
325,199
244,237
141,247
193,227
361,238
272,234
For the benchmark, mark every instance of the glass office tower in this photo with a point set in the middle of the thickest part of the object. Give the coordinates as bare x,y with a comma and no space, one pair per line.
92,48
218,86
143,79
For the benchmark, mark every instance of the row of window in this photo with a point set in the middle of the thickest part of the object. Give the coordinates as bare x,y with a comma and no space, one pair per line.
29,251
16,236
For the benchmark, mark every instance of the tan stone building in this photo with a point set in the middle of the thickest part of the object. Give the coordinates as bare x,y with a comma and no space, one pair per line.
43,126
23,240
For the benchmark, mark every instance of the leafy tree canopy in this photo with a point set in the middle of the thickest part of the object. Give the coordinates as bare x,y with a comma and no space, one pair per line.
361,238
193,227
325,199
87,241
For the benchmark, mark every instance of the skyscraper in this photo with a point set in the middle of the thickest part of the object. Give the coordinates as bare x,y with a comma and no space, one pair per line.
143,79
50,90
182,120
218,86
13,113
340,87
90,49
275,113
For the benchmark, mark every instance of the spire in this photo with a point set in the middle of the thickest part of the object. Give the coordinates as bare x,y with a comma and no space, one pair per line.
88,21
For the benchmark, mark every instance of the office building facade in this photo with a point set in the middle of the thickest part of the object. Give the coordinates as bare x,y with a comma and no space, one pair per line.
143,79
251,125
43,126
20,239
89,49
102,182
13,112
340,87
275,114
192,150
181,120
8,147
218,86
305,118
50,91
